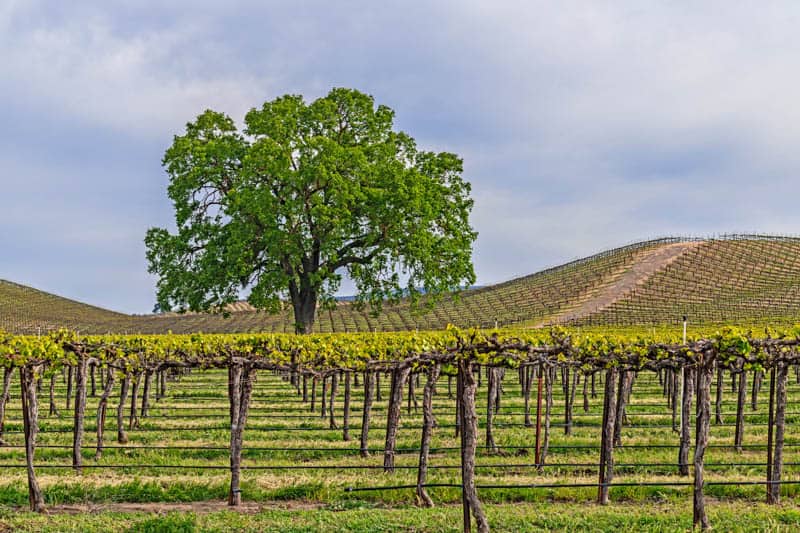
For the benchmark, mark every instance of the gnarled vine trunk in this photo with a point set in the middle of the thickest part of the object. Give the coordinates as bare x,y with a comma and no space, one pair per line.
399,377
427,429
7,373
30,423
101,412
365,413
79,414
469,431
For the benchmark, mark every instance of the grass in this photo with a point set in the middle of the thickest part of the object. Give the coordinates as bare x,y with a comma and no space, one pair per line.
657,517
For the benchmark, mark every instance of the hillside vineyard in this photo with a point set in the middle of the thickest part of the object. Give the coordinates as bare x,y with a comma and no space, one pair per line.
618,361
738,279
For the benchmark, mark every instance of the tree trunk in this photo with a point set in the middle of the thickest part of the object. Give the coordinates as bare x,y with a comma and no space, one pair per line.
365,413
304,303
101,413
427,429
399,377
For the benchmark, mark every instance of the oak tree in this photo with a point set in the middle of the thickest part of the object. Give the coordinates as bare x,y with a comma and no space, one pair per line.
301,195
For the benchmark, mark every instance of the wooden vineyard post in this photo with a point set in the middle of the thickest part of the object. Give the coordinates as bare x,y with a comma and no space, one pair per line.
607,437
80,411
469,430
427,429
240,389
703,386
30,423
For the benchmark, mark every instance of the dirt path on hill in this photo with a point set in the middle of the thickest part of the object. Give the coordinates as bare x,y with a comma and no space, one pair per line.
644,266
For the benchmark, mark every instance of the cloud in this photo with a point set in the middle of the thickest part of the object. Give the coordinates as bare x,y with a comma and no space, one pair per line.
583,125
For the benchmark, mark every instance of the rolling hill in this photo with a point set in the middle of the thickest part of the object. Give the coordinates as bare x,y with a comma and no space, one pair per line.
743,279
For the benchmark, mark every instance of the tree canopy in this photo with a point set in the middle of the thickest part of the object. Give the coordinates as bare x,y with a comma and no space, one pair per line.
301,195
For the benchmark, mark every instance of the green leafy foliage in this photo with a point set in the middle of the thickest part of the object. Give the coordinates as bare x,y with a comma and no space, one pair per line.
300,196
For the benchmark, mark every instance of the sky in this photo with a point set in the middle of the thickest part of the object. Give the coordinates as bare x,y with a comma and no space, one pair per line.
583,125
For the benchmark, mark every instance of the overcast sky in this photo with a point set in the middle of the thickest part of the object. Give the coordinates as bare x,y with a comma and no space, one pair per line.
583,125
